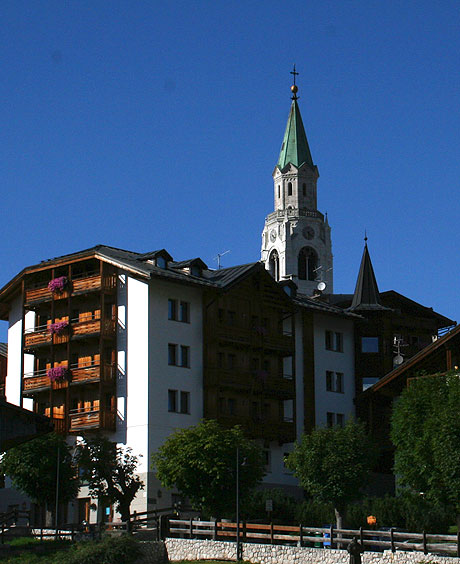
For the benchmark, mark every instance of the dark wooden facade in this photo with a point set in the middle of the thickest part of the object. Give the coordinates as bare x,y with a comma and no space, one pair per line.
249,349
74,330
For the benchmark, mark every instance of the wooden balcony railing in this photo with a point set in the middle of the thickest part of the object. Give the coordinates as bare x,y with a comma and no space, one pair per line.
86,283
42,336
80,420
258,382
78,375
260,428
256,337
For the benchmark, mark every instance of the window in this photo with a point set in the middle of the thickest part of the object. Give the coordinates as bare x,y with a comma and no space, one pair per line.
231,316
231,403
334,341
279,192
161,262
185,356
185,402
274,265
370,344
172,355
184,312
172,309
178,311
288,410
307,264
221,315
334,381
172,400
231,361
289,188
178,402
335,419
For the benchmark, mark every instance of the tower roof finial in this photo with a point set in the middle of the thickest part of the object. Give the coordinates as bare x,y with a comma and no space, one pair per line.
294,87
365,236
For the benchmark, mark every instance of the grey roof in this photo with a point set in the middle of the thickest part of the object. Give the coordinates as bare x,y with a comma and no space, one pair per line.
227,276
4,349
322,307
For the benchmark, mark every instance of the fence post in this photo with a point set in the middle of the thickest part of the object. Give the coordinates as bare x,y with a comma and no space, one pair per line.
214,534
191,528
72,532
361,536
41,534
331,533
425,551
271,533
458,544
392,539
244,531
300,535
3,532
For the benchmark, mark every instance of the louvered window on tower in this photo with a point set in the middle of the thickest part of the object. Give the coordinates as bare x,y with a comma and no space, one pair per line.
307,264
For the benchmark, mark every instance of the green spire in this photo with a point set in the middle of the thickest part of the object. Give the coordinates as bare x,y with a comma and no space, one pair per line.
295,147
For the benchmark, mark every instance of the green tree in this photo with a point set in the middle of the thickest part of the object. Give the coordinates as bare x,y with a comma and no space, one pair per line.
32,467
425,430
200,462
333,464
110,472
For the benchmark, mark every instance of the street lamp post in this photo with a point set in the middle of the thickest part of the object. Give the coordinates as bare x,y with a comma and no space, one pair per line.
238,545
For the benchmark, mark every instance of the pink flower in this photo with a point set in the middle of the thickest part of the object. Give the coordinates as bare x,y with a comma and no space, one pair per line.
57,284
58,328
57,373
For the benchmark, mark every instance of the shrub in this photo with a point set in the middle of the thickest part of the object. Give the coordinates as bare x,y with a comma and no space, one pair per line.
111,550
284,506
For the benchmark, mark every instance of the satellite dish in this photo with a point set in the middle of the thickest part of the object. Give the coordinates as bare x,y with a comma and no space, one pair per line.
398,359
321,286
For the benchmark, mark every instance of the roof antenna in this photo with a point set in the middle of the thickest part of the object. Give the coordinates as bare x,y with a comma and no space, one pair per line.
217,258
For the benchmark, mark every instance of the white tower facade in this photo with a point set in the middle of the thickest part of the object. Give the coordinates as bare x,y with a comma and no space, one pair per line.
296,240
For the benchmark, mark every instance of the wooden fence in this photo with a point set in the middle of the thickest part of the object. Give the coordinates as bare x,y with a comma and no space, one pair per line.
315,536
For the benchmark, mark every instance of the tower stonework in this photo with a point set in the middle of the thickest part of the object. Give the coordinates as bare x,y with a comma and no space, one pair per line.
296,240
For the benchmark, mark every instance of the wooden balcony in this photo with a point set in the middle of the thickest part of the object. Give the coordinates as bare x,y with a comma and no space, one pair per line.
88,283
94,326
83,420
257,338
39,381
260,428
37,338
261,383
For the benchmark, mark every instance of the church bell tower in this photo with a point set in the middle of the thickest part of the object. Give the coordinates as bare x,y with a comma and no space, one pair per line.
296,240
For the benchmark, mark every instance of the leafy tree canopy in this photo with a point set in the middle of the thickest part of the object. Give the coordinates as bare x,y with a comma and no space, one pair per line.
32,467
425,429
200,462
333,464
110,472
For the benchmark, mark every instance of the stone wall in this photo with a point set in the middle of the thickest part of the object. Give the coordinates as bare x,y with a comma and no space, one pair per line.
185,549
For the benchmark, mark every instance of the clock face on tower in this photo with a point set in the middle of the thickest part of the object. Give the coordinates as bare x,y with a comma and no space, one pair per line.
273,235
308,233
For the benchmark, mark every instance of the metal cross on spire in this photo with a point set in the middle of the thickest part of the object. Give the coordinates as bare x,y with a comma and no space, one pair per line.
294,87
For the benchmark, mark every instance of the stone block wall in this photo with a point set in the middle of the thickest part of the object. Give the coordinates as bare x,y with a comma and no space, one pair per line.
185,549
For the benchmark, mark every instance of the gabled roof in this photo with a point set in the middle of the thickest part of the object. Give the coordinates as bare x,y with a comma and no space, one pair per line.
225,277
323,307
418,358
366,296
295,149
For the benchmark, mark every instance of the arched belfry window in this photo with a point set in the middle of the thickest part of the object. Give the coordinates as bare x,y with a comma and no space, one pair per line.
274,265
289,188
307,264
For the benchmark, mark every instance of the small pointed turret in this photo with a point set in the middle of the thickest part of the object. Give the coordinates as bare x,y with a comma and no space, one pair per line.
366,294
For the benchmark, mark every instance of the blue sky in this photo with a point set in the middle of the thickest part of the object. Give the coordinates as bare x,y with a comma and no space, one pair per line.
147,124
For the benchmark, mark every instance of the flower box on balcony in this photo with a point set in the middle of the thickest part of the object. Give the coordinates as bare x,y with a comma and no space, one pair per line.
57,285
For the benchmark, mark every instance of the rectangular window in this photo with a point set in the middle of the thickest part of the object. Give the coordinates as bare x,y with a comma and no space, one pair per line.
172,401
231,403
221,315
334,381
369,344
172,354
231,361
172,309
330,419
185,356
334,341
185,402
340,418
184,312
